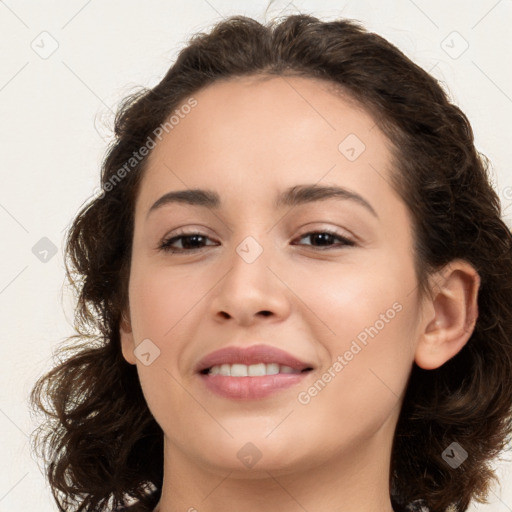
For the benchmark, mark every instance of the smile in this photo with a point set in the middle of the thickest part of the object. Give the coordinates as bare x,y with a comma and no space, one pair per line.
253,370
250,373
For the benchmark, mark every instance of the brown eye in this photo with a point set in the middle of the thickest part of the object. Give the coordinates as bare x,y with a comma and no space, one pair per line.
326,239
189,242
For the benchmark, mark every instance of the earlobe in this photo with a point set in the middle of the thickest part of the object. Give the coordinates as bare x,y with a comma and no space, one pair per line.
455,305
126,336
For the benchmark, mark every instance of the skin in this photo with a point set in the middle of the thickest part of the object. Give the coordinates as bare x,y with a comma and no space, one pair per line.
248,139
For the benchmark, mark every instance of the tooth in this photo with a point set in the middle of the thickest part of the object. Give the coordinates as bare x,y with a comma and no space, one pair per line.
272,369
238,370
225,369
253,370
257,370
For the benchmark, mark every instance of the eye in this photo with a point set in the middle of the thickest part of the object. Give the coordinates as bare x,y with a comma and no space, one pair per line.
190,242
325,239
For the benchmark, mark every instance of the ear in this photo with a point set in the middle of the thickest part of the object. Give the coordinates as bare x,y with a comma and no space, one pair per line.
126,335
453,311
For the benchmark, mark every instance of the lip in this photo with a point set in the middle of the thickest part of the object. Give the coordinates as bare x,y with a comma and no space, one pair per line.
251,355
250,388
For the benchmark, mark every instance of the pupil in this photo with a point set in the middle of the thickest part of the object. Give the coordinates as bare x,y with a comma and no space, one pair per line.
325,237
187,241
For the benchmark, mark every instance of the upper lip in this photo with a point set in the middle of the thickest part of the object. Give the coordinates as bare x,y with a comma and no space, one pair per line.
250,355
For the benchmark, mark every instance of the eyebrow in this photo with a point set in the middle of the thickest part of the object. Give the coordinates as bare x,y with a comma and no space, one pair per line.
293,196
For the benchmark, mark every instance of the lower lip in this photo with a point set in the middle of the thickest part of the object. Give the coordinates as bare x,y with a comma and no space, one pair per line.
251,388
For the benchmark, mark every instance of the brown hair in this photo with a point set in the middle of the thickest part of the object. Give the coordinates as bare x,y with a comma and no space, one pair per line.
100,441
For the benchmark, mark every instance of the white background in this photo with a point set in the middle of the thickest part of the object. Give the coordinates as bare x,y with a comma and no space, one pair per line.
55,116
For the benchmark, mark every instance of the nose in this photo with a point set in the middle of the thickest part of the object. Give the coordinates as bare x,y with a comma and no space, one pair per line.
252,290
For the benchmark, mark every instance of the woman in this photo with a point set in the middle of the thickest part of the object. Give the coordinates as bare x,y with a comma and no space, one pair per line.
293,289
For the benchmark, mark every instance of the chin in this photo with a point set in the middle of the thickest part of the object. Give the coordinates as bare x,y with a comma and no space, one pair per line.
255,457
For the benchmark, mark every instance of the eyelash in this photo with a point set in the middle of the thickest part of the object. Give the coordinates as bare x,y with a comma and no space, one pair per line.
165,245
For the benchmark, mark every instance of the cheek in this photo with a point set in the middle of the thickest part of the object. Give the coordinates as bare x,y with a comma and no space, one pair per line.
367,361
164,307
364,318
343,301
160,300
161,306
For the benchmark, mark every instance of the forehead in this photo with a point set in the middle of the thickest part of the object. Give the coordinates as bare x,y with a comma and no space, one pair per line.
281,109
269,133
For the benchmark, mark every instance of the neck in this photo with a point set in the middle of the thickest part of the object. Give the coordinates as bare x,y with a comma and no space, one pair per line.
352,480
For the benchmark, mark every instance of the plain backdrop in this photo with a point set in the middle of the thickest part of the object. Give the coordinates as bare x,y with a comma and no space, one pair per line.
65,67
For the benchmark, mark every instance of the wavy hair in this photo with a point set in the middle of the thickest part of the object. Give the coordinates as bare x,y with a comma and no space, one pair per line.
102,447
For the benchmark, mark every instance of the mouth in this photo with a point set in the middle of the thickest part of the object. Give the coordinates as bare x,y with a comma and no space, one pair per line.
251,373
253,370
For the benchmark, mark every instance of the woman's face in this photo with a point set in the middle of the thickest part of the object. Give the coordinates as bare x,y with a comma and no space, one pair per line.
343,315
